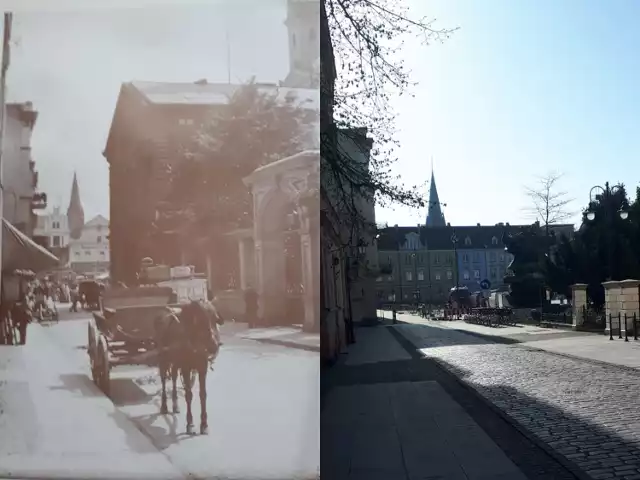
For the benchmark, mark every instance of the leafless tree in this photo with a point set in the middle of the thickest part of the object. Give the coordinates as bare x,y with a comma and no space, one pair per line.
549,204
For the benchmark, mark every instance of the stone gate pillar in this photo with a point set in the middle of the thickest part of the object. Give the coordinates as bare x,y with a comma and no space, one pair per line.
271,281
579,304
630,301
612,305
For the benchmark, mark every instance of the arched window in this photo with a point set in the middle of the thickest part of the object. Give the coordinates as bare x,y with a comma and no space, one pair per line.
494,241
467,241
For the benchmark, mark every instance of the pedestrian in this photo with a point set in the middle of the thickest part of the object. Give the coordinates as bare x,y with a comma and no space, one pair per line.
74,297
251,307
21,317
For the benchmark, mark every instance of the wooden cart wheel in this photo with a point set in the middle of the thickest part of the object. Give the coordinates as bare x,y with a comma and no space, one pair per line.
103,365
91,350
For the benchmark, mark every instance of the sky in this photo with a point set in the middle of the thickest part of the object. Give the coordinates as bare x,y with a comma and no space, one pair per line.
521,89
71,64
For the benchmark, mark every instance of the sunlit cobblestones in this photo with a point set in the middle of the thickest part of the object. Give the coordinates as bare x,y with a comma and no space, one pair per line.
588,413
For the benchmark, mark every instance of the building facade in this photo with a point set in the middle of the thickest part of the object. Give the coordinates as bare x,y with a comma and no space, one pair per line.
89,253
81,247
423,263
416,264
52,229
21,198
154,124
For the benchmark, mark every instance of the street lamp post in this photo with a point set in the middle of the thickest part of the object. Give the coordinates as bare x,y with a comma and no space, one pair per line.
607,193
415,278
454,241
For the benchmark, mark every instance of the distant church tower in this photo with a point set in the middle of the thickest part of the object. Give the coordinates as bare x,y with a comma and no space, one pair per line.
75,212
435,217
303,20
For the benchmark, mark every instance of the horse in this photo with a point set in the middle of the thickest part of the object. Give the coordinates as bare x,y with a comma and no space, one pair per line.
188,343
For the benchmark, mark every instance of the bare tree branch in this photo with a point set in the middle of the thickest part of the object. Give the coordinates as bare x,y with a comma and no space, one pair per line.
549,205
365,37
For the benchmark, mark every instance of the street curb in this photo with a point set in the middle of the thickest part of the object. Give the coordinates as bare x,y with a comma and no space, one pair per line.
520,344
562,460
286,343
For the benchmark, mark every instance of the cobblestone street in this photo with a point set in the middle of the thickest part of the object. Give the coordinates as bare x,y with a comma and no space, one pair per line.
587,413
383,383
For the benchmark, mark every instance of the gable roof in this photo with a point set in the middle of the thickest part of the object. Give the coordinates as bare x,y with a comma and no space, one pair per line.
97,220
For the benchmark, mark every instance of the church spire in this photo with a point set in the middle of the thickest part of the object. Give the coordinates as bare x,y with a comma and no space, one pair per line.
75,212
435,217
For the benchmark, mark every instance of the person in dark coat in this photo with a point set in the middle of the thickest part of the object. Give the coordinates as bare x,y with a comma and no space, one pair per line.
21,316
251,306
75,297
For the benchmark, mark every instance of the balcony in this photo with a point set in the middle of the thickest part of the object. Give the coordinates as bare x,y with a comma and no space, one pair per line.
39,201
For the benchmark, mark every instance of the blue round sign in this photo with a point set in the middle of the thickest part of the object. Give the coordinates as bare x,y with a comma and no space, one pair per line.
485,284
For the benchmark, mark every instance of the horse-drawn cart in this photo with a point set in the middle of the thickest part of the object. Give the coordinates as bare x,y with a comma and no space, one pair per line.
123,331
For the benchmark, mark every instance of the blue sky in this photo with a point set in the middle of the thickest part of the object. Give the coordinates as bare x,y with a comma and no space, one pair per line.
523,88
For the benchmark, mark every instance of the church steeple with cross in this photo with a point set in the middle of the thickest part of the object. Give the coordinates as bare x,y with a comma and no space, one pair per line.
435,217
75,212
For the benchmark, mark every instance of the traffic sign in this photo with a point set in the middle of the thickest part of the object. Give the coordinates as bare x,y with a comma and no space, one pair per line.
485,284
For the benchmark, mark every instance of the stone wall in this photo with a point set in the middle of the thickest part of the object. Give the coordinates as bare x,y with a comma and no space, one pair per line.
622,298
629,301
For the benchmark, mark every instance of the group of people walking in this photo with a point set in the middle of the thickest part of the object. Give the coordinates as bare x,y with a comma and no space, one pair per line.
32,299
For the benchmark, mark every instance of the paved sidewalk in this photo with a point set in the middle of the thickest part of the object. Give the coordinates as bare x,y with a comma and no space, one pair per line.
582,345
389,415
55,423
286,336
407,430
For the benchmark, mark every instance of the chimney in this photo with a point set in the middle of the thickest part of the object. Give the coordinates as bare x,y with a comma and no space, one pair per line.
478,224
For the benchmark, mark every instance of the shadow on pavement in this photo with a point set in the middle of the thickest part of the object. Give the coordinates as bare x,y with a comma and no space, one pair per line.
79,384
585,448
125,391
164,435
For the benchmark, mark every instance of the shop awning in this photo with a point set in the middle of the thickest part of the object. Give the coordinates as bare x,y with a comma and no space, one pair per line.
19,252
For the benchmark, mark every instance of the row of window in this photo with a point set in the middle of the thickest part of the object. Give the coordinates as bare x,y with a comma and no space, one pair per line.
493,257
466,275
56,240
87,253
409,276
419,258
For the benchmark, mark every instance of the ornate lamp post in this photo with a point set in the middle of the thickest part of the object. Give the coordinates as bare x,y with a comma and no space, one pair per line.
609,220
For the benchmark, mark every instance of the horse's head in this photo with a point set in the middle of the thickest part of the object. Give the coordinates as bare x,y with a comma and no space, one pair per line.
195,317
199,320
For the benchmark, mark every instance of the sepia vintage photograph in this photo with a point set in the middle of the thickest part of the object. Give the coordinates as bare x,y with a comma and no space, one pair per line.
274,239
159,173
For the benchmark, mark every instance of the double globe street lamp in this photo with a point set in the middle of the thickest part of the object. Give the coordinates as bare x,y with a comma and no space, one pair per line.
609,220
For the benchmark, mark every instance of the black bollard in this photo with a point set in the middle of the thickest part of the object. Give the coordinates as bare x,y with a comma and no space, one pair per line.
626,336
610,328
620,326
635,327
394,315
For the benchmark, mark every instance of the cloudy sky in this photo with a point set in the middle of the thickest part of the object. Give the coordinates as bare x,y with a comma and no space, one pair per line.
71,64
